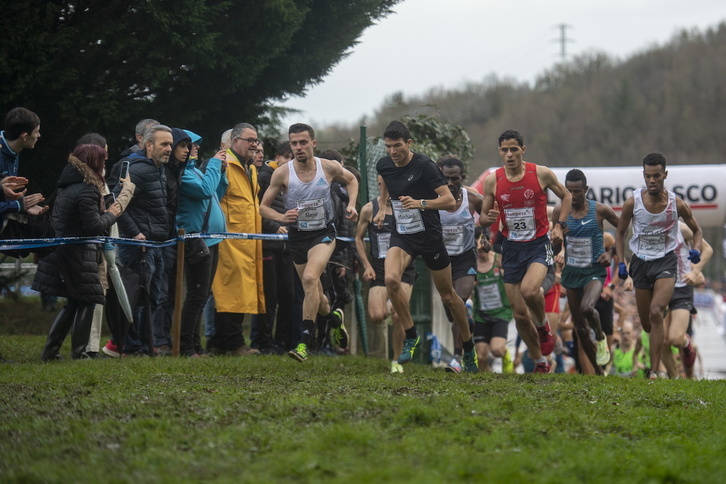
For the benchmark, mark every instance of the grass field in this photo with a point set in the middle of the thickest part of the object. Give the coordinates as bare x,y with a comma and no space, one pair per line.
345,419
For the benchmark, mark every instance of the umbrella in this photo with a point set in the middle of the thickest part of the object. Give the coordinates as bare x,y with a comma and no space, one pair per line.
117,321
115,275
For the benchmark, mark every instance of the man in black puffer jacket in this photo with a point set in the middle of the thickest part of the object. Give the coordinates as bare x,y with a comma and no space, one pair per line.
146,218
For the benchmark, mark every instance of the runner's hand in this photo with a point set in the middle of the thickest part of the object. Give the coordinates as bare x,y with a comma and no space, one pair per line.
622,271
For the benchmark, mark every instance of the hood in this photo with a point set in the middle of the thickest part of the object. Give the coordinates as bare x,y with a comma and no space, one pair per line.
196,139
77,172
179,135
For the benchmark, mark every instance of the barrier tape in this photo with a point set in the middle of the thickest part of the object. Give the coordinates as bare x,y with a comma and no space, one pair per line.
17,244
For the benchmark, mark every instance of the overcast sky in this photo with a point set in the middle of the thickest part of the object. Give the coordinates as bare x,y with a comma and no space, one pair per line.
432,43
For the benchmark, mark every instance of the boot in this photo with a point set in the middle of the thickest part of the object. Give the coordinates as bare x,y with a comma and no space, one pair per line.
58,331
81,331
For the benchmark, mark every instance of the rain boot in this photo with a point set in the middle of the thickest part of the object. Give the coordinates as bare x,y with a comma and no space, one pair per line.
81,331
58,331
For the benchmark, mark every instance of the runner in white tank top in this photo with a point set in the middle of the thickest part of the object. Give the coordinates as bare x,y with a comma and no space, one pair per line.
654,212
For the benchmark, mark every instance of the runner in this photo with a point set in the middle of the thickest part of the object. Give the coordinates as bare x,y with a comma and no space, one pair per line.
458,229
585,265
418,190
373,264
681,304
518,188
654,212
305,183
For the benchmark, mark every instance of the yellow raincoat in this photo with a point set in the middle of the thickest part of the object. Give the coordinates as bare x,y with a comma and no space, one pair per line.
237,285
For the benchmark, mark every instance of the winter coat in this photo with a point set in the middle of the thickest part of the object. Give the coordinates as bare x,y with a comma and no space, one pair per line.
147,213
237,285
200,191
72,270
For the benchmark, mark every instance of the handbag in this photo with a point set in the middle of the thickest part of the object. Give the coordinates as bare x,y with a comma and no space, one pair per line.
196,250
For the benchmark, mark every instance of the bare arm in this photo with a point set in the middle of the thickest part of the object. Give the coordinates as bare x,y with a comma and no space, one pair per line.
684,211
489,212
548,179
444,201
625,217
277,182
378,219
475,200
364,220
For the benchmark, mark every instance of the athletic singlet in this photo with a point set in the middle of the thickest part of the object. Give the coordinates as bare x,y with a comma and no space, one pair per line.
684,265
583,242
312,199
654,234
490,297
380,238
523,205
458,227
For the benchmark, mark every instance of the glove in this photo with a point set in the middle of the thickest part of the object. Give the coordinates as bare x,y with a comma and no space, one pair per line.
694,256
622,271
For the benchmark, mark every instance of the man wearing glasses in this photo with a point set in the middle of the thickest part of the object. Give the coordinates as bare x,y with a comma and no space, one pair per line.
237,285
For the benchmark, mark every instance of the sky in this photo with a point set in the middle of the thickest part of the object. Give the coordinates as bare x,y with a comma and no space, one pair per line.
434,43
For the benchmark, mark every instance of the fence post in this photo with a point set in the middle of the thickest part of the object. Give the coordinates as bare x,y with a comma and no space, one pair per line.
176,319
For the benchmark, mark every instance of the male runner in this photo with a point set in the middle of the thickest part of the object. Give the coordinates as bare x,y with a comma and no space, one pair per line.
518,189
373,270
305,183
418,191
654,212
681,304
585,265
458,229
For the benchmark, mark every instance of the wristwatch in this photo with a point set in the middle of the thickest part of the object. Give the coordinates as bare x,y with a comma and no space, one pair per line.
423,204
562,224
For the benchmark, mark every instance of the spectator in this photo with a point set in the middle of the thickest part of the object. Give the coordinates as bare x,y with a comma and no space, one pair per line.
240,261
72,270
146,218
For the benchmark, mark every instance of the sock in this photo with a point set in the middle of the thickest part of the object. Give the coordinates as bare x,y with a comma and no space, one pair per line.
469,345
542,323
411,333
334,319
541,360
458,351
308,329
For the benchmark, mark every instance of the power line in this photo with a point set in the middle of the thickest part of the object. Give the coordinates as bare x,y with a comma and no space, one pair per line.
563,40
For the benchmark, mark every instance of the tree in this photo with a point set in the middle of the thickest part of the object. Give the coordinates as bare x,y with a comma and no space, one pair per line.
101,65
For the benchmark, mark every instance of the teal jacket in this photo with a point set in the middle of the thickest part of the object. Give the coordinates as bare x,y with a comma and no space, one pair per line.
198,191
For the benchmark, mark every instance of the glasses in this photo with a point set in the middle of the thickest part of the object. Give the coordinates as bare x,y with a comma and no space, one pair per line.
252,141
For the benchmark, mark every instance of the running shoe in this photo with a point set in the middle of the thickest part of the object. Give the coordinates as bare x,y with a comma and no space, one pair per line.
454,366
471,365
546,338
300,353
603,352
542,367
689,354
396,367
507,363
339,334
111,350
409,346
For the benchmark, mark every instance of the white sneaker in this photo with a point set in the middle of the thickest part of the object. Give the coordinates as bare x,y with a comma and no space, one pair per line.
603,352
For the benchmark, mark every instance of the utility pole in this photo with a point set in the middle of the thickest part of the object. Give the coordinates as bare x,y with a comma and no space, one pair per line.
563,40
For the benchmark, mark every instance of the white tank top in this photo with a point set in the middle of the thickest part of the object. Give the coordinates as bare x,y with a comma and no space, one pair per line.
312,199
458,227
684,265
654,234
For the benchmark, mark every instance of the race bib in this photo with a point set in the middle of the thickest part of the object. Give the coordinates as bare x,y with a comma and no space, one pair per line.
579,251
453,239
311,214
651,246
520,222
489,297
408,221
384,242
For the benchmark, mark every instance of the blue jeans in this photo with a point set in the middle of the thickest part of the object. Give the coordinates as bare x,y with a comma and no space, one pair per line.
140,335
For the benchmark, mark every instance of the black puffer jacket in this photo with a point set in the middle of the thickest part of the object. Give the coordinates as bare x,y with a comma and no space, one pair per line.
72,270
147,213
264,175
